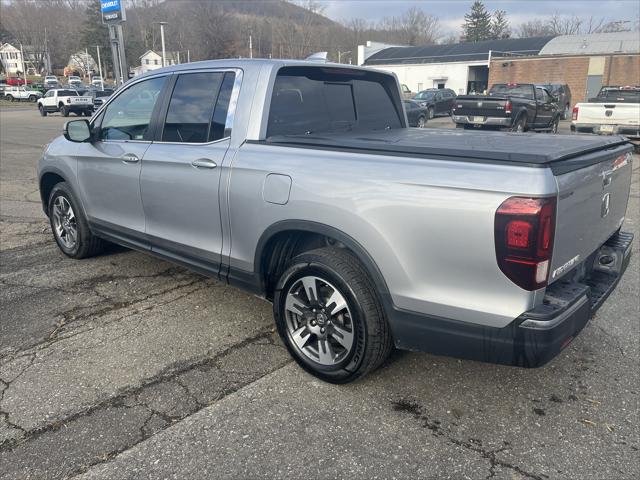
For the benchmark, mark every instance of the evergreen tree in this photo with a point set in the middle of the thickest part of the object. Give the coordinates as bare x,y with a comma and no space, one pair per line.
500,25
94,33
477,23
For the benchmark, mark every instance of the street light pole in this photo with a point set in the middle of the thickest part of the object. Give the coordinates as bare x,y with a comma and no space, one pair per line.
164,57
100,68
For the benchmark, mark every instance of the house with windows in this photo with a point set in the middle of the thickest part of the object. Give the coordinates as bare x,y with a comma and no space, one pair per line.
152,60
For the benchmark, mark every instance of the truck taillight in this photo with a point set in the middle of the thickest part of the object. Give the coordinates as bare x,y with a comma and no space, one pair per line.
524,233
507,107
574,114
69,100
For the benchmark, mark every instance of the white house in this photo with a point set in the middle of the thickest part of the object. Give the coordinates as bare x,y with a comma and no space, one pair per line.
151,60
11,59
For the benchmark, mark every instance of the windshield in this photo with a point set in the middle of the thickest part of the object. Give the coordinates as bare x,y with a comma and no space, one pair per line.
425,95
631,95
309,100
512,89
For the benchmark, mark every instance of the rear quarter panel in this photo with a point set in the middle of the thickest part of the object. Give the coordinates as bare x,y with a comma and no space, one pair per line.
428,224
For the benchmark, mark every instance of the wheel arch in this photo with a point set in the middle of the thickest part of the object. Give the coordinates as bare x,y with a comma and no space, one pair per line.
287,229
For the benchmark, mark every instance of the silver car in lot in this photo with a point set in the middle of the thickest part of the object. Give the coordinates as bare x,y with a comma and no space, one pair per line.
300,182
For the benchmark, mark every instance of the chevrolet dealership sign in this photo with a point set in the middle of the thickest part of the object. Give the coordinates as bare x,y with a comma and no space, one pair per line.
112,11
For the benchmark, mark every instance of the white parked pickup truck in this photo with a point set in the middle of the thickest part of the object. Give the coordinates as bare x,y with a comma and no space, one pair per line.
65,101
615,111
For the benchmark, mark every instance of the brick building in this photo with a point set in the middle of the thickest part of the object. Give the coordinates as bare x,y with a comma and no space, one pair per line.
584,62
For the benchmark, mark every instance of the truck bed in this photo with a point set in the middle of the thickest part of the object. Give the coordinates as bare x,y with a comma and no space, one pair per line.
561,153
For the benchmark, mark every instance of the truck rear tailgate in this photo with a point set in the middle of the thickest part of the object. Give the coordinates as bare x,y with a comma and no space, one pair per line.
609,113
592,203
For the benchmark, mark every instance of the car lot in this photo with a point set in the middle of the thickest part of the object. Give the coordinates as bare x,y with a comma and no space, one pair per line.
125,366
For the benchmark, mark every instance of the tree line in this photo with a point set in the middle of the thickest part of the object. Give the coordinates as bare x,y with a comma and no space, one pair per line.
207,29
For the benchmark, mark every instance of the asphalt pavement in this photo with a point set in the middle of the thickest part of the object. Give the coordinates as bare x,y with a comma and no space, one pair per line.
124,366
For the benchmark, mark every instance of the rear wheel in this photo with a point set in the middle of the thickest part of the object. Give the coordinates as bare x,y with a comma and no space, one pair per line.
69,225
328,315
10,98
520,125
33,98
554,125
432,113
566,113
64,111
422,122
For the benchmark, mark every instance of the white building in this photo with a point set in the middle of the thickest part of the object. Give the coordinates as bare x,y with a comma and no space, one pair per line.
151,60
462,67
11,59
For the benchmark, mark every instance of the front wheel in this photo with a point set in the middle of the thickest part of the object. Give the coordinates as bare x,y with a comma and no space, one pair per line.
329,317
43,112
69,225
10,98
554,125
64,111
432,113
422,122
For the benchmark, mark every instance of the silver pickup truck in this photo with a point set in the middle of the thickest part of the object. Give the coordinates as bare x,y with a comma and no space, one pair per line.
300,181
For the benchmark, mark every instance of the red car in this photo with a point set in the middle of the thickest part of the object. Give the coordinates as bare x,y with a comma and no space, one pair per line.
14,81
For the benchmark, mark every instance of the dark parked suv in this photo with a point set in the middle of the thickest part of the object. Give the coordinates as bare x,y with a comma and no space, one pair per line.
438,101
562,92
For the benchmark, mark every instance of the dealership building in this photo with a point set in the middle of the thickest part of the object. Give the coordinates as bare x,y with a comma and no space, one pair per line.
584,62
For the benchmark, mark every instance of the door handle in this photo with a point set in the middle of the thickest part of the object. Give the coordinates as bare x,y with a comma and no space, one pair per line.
130,158
204,163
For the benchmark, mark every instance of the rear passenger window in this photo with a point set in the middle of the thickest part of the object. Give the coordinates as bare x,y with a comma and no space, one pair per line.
198,108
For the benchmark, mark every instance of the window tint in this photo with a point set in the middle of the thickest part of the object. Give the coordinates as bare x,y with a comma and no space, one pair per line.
129,115
198,107
67,93
324,99
525,91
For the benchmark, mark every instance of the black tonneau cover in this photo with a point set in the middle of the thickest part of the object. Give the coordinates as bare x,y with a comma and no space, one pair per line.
561,153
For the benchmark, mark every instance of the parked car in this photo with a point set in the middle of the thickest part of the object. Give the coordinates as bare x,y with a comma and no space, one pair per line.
65,101
514,106
365,234
617,112
16,81
417,115
39,87
98,96
562,93
97,81
17,94
50,81
74,82
437,101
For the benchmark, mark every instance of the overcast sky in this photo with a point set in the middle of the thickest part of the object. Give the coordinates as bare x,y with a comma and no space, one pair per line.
451,12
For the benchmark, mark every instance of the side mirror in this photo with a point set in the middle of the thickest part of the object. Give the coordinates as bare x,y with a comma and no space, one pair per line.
77,131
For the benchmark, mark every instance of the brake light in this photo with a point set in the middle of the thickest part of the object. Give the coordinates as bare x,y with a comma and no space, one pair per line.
524,234
507,107
574,114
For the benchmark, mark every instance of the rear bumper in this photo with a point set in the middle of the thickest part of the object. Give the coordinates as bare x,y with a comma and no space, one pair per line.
79,108
532,339
631,131
492,121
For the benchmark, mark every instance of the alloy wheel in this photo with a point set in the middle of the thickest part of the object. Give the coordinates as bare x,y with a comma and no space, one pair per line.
64,222
318,321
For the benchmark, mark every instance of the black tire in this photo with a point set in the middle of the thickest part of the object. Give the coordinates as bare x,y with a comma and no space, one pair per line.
566,113
64,111
10,98
87,244
554,125
43,112
33,98
422,121
372,337
431,112
520,124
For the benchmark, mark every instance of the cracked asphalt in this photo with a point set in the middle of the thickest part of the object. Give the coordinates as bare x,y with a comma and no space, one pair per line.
125,366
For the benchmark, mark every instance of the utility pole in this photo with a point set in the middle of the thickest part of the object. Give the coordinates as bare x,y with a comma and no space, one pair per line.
100,68
164,57
188,56
250,45
86,63
24,73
